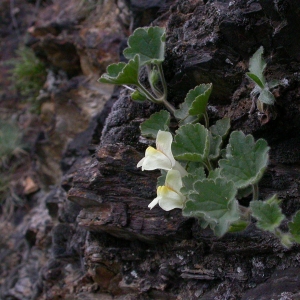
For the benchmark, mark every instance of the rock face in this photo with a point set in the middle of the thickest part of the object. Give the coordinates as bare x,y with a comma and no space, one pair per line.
106,243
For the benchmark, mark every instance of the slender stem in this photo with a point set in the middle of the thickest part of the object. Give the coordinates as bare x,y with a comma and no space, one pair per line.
255,191
163,80
148,95
154,89
208,165
169,106
206,119
129,88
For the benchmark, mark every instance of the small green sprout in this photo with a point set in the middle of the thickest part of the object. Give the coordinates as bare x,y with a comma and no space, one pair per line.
262,88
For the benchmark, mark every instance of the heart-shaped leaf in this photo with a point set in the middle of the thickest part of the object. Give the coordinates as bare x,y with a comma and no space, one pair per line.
246,160
294,227
214,201
268,213
191,143
148,43
195,102
157,121
122,73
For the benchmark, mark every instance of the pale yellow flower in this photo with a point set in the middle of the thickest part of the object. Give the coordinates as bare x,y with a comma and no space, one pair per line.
169,195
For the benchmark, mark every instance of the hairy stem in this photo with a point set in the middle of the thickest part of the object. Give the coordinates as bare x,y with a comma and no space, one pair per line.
206,119
148,95
255,191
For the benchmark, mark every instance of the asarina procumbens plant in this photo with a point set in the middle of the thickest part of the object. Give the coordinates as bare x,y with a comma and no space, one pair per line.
201,173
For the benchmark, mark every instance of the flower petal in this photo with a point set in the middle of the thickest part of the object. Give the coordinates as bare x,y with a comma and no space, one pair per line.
173,181
168,199
140,163
164,141
155,159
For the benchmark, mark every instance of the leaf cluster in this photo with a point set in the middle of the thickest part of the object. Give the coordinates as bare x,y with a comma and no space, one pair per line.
221,167
146,48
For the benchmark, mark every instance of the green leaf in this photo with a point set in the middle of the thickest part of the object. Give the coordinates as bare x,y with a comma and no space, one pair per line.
149,43
138,97
215,145
266,97
195,102
196,168
191,143
158,121
214,174
161,179
268,213
122,73
257,65
294,227
221,128
242,193
255,79
214,201
239,225
189,180
245,161
154,77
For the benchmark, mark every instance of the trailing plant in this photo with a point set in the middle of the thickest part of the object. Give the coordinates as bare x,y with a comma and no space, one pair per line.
205,169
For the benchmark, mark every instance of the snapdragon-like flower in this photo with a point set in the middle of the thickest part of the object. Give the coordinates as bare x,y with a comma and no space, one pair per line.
169,195
161,157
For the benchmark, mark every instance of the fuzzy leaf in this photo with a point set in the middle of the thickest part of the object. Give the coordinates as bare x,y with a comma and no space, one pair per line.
161,179
266,97
158,121
214,201
191,143
149,43
239,225
257,65
214,174
294,227
246,160
268,213
256,80
122,73
221,128
215,145
195,102
188,181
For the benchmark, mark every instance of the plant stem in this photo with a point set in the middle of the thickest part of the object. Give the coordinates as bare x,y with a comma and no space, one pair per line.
208,165
206,119
148,95
169,106
129,88
255,191
163,80
154,89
